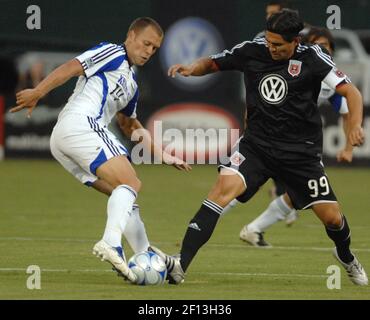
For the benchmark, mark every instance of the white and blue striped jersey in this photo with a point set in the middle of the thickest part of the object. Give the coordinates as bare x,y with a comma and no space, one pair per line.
108,86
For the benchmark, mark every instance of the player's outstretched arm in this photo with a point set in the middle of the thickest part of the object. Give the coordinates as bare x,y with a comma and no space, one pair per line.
199,67
355,132
133,129
28,98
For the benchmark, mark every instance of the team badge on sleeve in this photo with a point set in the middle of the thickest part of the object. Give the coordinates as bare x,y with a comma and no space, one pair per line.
89,62
237,159
294,68
339,73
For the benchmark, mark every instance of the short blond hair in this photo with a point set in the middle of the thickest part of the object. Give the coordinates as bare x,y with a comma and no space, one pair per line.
141,23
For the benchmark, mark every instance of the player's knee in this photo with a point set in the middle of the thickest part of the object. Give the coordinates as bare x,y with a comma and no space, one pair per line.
136,184
334,221
333,217
221,194
139,184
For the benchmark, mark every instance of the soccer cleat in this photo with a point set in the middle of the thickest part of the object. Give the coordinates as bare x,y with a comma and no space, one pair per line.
175,274
113,255
291,217
253,238
355,271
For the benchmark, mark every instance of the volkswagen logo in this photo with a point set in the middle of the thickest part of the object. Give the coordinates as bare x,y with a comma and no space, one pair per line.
273,88
187,40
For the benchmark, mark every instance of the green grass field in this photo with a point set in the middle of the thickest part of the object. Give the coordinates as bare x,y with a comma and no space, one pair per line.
48,219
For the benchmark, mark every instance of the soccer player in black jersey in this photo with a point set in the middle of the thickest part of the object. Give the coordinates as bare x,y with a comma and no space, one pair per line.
283,138
281,208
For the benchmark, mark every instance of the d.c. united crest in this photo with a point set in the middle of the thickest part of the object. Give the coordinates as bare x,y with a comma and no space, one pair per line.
294,68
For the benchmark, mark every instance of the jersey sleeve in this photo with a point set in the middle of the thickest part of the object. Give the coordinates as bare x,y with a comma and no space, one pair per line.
325,69
335,77
101,58
233,59
339,103
130,109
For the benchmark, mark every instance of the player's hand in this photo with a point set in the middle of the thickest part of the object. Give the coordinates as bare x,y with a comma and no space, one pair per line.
176,162
345,156
184,70
356,136
26,99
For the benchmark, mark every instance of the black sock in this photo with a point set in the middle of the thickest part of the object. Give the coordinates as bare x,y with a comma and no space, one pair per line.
199,231
342,239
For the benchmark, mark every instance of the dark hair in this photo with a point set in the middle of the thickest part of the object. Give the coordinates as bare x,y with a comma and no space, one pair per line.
317,32
143,22
286,22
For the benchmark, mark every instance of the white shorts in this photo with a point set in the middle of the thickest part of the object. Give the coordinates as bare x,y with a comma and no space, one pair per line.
81,145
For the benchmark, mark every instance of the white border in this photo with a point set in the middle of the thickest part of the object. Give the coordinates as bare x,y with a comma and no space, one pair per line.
318,201
232,169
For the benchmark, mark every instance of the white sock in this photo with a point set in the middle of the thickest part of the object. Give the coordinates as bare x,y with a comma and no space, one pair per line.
119,207
277,210
231,205
135,233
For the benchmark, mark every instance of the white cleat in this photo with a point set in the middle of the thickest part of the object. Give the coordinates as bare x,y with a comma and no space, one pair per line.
291,218
253,238
355,271
175,274
110,254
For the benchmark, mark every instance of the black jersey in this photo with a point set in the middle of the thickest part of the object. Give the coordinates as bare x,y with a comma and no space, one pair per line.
281,96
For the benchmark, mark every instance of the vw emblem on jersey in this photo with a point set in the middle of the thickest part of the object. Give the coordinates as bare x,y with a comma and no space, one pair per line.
294,68
273,88
187,40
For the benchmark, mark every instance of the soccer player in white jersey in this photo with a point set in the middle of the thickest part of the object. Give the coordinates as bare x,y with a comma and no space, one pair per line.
281,208
82,143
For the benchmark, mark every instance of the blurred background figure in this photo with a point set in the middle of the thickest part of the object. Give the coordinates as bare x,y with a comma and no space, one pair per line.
31,70
275,6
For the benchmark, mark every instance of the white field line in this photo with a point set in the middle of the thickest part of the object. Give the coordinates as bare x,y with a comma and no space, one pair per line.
321,226
56,270
92,241
47,239
232,274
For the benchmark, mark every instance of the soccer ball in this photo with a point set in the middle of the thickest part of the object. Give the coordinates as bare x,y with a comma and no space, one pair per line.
149,268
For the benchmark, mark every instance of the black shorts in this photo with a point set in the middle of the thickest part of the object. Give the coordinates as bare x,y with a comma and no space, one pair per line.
301,174
279,188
